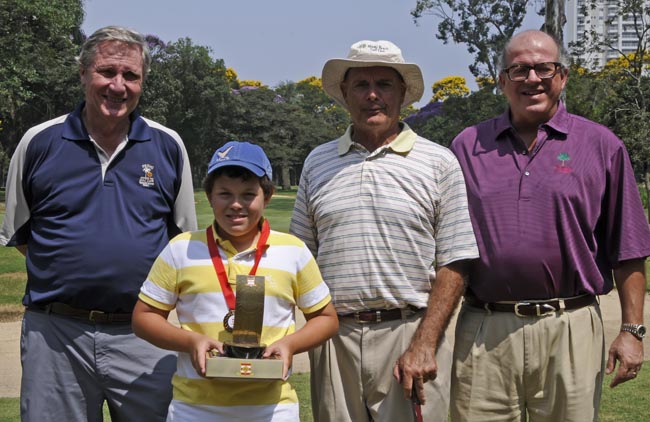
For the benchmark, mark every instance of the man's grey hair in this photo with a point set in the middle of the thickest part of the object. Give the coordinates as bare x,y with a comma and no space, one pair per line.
114,33
563,55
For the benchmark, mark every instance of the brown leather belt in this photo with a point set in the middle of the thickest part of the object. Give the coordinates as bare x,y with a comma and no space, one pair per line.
533,307
102,317
382,315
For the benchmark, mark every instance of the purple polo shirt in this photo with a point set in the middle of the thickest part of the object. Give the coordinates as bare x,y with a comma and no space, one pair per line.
553,222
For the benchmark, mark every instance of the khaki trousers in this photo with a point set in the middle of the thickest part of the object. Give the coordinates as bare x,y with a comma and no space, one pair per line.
352,375
510,368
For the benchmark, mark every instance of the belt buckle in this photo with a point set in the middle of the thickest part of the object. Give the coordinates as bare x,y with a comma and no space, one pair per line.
96,315
541,309
517,305
549,309
358,320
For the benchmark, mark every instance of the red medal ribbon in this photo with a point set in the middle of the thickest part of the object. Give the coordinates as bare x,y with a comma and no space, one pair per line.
221,270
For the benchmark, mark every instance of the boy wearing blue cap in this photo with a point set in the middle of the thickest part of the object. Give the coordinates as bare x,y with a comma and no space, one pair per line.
196,273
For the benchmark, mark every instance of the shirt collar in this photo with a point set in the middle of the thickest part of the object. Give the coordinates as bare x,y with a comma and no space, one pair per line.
558,123
402,144
74,129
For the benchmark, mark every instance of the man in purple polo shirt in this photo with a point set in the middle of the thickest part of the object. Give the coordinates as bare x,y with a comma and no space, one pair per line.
556,212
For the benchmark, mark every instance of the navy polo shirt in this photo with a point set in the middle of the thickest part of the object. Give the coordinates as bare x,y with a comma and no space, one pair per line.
555,221
92,240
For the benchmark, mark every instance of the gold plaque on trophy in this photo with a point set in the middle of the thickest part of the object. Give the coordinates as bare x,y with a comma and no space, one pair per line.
243,358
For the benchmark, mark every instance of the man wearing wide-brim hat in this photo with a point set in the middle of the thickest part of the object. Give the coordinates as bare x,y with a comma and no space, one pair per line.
385,213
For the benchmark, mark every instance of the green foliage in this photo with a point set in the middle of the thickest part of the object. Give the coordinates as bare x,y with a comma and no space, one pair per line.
483,26
287,122
189,91
459,113
38,74
617,96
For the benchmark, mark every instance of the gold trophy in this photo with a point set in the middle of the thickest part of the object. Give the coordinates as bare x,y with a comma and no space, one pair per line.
243,357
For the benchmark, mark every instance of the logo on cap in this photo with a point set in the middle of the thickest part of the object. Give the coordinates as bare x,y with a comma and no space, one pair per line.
224,154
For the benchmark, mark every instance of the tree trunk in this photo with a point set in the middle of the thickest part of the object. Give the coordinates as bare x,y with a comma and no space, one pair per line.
555,19
286,178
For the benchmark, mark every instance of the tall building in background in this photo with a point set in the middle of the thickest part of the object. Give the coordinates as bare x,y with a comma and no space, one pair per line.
620,30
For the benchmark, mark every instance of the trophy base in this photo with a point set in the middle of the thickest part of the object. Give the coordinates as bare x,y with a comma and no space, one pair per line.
244,351
219,366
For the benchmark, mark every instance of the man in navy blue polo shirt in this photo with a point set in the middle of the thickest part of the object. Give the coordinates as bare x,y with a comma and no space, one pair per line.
92,198
558,219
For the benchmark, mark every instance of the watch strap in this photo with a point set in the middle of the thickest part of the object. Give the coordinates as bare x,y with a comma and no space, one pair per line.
637,330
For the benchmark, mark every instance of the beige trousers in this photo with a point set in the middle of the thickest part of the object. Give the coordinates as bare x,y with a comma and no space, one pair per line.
352,375
510,368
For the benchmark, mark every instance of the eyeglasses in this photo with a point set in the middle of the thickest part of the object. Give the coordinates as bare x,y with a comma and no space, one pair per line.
520,72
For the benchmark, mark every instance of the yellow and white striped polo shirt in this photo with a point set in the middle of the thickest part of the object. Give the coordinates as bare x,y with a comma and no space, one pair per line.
183,277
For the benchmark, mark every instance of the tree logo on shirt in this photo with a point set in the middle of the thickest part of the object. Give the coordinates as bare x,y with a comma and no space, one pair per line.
147,180
562,167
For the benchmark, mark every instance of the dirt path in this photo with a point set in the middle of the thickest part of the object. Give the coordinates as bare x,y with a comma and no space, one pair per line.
10,344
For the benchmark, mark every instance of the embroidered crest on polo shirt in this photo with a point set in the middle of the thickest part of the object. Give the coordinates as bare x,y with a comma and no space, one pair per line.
563,167
147,180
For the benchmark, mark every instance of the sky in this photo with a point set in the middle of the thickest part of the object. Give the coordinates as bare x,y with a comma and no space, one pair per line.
290,40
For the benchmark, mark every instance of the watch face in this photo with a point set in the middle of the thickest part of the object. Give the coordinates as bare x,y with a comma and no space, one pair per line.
641,331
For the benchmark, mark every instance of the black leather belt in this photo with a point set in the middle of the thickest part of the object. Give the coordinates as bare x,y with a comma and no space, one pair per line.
533,307
62,309
382,315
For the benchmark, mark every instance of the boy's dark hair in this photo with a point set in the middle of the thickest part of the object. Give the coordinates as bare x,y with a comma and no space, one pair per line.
238,172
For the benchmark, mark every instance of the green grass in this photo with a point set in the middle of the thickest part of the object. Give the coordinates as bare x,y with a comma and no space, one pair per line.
628,402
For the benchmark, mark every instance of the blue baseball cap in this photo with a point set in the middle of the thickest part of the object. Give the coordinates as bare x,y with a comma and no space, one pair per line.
242,154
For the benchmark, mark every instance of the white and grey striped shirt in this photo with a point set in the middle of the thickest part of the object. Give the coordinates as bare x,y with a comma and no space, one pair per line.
379,223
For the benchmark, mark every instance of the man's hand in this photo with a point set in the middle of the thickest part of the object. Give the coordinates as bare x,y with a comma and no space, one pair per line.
415,367
628,351
417,364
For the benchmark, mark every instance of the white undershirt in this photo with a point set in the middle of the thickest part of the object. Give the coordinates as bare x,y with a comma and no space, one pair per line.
104,158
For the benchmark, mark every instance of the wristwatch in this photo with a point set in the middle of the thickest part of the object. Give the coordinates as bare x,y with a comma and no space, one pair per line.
637,330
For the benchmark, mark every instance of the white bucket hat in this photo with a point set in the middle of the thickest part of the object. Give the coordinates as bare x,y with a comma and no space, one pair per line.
368,54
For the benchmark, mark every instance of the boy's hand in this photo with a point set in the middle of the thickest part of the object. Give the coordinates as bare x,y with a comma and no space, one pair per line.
280,350
199,349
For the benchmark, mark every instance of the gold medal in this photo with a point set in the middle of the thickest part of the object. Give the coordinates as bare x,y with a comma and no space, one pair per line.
229,321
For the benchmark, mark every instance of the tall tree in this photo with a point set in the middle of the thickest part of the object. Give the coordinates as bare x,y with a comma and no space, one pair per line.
39,78
626,107
451,86
484,26
288,122
190,92
554,18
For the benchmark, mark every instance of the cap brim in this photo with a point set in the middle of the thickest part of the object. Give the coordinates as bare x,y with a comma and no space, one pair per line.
256,170
334,71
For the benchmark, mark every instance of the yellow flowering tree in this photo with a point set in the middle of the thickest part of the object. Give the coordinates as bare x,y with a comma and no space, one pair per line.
451,86
251,82
313,81
485,82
